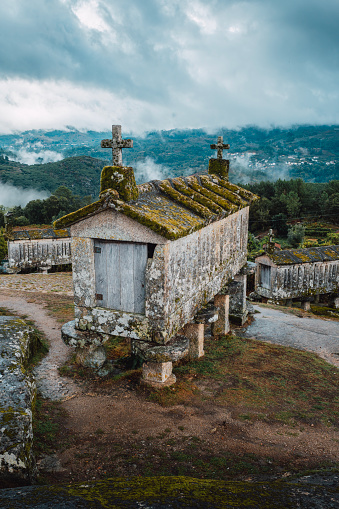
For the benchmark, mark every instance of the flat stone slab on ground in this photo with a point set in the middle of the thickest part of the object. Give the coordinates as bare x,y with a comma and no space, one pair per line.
17,392
178,492
312,334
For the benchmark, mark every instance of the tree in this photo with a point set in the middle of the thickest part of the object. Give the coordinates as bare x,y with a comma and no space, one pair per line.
280,224
293,204
296,235
3,247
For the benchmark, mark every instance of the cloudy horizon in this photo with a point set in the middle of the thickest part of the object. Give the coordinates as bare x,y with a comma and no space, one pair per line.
161,64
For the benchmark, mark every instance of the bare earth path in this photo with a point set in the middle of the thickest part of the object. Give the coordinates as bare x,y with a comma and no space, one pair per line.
48,380
320,336
113,430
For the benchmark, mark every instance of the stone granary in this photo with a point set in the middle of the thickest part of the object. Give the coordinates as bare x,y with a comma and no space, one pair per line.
38,249
301,274
147,258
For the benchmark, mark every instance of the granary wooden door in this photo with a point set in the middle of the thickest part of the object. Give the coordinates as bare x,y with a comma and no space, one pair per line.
265,276
120,275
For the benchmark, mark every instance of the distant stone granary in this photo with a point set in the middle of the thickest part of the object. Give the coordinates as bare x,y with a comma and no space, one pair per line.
298,274
147,258
37,248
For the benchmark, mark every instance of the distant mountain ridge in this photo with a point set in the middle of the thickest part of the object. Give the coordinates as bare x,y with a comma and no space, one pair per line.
309,152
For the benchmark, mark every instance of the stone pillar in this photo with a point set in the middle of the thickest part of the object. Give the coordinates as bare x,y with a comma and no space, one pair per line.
316,298
237,293
336,302
306,305
195,332
158,373
222,325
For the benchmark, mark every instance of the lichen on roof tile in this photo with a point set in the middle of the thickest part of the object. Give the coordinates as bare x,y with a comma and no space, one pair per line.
306,255
172,207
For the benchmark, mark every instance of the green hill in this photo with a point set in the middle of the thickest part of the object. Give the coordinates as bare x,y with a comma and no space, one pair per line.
81,174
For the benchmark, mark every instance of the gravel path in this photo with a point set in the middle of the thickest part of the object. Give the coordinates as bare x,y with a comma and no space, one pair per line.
315,335
49,383
60,282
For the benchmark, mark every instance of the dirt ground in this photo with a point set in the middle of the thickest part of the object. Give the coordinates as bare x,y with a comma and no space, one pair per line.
113,429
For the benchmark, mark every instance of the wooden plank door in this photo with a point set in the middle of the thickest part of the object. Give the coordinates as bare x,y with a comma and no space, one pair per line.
265,275
120,275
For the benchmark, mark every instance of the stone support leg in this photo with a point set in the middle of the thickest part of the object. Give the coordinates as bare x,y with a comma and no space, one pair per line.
306,305
195,332
92,356
336,302
157,372
222,325
316,298
237,293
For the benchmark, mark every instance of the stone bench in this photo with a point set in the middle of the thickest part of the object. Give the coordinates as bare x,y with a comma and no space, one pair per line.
17,396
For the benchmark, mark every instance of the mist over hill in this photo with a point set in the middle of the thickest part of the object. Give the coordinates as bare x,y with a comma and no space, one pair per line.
75,159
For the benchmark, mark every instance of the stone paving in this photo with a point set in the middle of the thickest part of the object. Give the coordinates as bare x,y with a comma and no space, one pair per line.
59,282
320,336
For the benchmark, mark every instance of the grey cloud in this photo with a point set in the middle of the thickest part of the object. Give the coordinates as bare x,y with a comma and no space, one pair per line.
206,63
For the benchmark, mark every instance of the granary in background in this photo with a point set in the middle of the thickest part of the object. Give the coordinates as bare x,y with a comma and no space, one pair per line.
37,248
147,258
301,274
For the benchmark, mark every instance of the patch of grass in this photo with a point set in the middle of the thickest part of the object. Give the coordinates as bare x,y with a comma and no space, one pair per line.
258,381
47,418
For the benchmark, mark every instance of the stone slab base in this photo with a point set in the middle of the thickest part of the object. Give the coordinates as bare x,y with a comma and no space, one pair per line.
160,385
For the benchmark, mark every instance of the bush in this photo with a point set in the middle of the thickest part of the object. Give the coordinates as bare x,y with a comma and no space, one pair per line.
296,235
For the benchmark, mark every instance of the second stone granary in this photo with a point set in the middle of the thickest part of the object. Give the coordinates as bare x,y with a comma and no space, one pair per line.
298,273
147,258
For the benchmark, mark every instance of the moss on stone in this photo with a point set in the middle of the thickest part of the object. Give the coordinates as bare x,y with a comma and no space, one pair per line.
121,179
181,186
76,216
243,193
219,167
201,210
172,230
225,204
222,191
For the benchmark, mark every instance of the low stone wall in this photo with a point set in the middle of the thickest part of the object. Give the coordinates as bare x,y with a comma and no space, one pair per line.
17,397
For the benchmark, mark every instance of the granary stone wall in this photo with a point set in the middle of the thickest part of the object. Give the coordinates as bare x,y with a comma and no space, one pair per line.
296,280
180,276
23,254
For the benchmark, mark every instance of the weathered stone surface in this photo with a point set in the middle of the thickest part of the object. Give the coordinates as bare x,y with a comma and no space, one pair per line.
237,292
176,349
39,249
195,333
313,491
207,314
91,356
222,325
79,338
156,372
298,273
17,395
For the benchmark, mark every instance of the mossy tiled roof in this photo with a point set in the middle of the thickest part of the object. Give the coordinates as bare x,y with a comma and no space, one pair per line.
173,207
40,233
307,255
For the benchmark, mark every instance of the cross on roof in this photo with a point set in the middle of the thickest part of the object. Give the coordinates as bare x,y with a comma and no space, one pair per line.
220,146
116,144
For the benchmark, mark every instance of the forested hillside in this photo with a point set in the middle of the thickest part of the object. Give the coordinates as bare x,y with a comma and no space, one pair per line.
80,174
309,152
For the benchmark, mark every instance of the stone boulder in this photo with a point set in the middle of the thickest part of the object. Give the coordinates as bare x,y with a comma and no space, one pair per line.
17,396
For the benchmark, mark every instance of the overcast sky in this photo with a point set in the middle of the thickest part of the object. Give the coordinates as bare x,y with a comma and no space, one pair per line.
162,64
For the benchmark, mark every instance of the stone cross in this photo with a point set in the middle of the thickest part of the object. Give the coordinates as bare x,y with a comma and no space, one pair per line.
116,144
220,146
